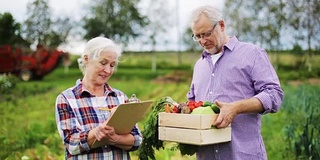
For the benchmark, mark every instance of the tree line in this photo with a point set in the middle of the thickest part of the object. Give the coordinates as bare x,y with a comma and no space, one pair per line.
276,24
270,23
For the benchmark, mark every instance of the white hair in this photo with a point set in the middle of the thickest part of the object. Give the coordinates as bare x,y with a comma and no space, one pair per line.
95,47
214,14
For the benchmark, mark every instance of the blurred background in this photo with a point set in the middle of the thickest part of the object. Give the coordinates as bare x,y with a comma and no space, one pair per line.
40,41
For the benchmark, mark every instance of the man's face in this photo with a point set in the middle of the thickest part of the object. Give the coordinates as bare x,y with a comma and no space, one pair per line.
208,35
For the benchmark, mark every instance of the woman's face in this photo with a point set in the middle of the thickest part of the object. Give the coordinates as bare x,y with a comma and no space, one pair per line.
100,69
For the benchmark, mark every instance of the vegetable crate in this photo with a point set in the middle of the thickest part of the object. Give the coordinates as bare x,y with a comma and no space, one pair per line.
193,129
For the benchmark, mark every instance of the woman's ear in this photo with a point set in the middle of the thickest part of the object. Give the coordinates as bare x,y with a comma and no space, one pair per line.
85,59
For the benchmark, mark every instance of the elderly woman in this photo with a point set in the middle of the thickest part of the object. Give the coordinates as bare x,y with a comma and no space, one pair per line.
80,122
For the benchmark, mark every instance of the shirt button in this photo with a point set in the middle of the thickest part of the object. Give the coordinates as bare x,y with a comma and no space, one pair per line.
216,151
210,92
212,74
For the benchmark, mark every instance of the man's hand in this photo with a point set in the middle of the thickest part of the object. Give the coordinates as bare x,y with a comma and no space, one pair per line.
226,116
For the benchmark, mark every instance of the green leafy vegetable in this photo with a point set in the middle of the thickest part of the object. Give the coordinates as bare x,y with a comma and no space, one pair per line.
187,149
150,133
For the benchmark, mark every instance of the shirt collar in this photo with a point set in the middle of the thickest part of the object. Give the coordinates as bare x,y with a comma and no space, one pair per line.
229,45
82,92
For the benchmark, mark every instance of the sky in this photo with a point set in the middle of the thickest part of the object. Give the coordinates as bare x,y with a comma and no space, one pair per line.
74,8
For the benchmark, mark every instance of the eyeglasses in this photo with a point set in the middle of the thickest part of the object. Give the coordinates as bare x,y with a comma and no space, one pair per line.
203,35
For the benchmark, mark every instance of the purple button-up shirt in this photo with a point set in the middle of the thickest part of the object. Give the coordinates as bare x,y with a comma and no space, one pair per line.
243,71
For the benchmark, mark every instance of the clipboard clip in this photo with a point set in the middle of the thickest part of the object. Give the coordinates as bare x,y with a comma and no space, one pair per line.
133,99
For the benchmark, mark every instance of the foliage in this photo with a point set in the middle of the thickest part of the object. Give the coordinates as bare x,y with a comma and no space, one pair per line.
41,29
10,31
150,132
29,107
297,49
305,18
303,132
7,83
118,20
267,22
187,149
157,26
38,22
192,46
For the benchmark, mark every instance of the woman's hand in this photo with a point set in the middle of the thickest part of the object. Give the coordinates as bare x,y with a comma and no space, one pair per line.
103,131
107,133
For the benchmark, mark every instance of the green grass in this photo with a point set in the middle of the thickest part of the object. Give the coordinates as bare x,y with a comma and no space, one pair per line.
27,111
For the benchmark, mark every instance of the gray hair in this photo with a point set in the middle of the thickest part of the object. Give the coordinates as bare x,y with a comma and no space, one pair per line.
95,47
212,13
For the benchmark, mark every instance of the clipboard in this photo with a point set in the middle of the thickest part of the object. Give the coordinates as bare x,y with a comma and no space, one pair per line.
125,117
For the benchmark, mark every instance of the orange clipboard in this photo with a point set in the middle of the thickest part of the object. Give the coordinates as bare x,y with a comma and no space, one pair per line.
125,117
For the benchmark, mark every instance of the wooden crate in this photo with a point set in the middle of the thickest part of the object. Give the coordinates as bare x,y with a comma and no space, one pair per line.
193,136
191,121
191,129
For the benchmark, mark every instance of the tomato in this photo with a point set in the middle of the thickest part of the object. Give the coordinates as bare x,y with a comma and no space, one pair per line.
175,109
199,103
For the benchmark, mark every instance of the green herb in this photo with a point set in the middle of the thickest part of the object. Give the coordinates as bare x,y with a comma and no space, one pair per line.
187,149
150,133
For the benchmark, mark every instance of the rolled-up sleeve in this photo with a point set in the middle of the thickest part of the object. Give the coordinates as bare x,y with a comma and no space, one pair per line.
137,138
74,137
266,83
190,94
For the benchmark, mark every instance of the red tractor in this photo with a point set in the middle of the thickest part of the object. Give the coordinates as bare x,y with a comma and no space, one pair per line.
29,67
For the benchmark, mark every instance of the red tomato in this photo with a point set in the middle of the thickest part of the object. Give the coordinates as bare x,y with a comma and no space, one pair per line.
191,103
175,109
198,104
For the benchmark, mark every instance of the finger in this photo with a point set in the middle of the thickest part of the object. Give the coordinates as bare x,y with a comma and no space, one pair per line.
97,134
223,124
218,103
218,120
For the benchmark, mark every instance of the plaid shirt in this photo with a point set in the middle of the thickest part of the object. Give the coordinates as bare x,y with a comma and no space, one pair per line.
77,113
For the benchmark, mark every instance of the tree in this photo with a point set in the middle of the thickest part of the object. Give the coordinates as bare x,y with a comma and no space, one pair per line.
10,31
305,20
189,42
155,31
259,24
238,23
60,31
38,22
277,18
118,20
41,29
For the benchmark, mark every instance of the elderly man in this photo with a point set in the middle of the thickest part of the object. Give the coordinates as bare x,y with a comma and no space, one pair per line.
240,79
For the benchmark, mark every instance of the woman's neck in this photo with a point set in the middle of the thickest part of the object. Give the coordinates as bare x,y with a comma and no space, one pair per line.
94,89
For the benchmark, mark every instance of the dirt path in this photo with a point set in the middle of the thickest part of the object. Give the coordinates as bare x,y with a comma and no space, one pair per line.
312,81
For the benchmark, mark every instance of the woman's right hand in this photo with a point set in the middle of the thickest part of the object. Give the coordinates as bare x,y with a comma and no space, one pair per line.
103,131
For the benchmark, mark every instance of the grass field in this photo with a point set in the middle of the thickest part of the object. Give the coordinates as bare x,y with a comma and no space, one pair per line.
27,111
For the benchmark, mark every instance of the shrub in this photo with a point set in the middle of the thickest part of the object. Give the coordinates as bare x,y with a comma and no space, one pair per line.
7,82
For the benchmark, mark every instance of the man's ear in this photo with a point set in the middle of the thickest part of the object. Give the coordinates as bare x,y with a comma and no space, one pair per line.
222,25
